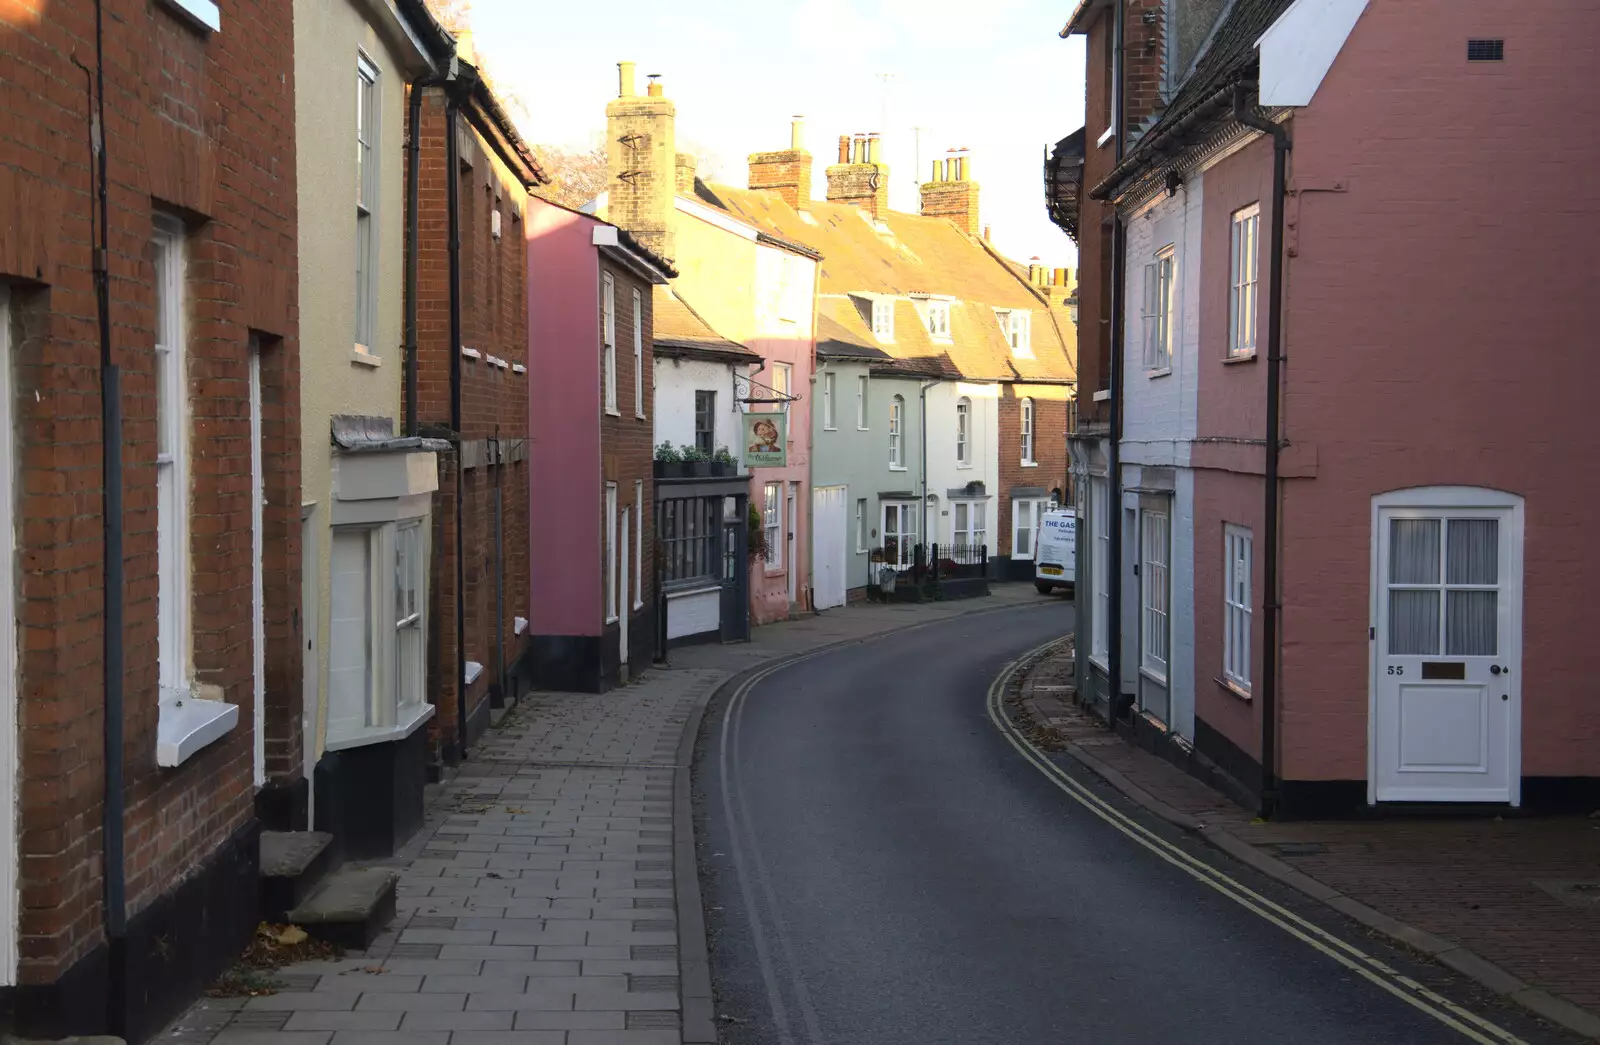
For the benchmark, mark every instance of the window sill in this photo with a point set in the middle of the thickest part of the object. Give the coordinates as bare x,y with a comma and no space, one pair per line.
1154,676
1229,686
1243,357
638,416
1160,371
202,13
1101,661
1028,464
613,412
861,428
474,669
829,428
189,724
471,353
411,718
1105,137
964,467
519,625
364,358
897,468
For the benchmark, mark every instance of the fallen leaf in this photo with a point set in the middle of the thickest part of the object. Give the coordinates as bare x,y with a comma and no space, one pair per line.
291,936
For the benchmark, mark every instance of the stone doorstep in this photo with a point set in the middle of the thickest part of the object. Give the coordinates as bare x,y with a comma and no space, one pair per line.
1461,960
351,908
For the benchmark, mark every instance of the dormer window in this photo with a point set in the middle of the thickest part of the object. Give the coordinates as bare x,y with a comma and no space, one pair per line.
883,319
939,320
1018,327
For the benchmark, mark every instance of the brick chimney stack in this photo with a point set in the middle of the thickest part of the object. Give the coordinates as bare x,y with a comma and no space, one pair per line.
642,160
688,168
951,192
788,172
860,178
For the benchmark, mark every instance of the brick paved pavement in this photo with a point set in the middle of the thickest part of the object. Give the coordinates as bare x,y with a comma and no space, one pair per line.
536,906
1476,882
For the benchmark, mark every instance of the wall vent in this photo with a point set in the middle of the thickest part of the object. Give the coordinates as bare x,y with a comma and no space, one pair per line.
1486,50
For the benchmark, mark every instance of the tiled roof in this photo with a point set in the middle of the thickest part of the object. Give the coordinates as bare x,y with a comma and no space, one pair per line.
676,325
907,257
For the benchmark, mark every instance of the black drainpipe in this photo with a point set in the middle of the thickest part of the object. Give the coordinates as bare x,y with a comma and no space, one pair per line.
1271,606
114,873
1114,701
413,177
453,205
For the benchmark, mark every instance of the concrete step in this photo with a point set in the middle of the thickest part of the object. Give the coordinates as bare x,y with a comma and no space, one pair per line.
351,908
293,864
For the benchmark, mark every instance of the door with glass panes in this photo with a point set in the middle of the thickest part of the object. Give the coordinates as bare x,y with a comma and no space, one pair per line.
1446,695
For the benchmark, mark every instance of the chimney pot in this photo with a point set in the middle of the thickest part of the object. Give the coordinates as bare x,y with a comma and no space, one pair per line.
797,133
624,79
986,230
654,89
874,148
1060,277
844,148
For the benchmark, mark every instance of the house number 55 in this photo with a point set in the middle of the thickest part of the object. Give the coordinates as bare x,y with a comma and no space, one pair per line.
1397,669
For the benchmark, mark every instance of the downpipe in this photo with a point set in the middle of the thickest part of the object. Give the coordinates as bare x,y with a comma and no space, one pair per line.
453,207
1116,705
1271,604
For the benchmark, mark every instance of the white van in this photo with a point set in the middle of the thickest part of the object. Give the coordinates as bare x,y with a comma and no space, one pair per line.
1055,557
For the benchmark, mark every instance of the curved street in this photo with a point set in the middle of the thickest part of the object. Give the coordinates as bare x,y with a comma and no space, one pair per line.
882,866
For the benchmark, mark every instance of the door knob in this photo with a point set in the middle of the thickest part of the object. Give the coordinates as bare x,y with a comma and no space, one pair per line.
1495,669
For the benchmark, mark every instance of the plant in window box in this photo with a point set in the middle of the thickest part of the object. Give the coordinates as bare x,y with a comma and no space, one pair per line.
669,462
696,461
723,464
756,535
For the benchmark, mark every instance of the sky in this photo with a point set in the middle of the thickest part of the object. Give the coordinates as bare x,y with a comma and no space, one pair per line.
991,76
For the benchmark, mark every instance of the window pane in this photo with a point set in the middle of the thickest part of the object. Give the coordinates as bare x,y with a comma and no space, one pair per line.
1470,618
1414,623
1414,551
1473,552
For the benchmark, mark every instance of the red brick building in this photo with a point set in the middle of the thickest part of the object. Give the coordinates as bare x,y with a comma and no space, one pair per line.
472,389
105,862
591,416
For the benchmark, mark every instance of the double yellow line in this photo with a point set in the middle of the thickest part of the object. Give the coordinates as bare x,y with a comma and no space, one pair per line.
1469,1025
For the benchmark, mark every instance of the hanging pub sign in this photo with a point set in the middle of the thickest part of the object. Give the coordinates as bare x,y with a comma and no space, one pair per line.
766,440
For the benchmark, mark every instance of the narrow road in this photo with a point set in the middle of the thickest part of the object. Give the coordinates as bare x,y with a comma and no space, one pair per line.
881,866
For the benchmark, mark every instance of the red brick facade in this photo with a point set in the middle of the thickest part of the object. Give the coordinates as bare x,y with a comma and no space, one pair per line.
1049,471
199,126
626,456
492,444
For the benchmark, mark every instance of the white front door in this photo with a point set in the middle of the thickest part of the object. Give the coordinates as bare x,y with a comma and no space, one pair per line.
311,662
794,545
1446,701
624,595
828,546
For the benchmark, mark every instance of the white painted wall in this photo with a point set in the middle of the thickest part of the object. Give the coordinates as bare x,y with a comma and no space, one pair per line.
944,474
1160,408
1160,425
676,381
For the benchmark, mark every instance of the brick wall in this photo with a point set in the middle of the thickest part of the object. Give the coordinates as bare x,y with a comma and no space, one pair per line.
494,405
788,173
626,447
1094,235
201,126
956,200
1049,451
641,155
1144,36
864,185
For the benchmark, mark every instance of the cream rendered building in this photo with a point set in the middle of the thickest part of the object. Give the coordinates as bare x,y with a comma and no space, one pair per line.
366,490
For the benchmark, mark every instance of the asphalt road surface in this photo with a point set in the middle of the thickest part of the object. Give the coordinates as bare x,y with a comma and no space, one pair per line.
881,866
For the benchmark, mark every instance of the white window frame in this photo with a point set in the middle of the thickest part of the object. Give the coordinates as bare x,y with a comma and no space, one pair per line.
963,432
369,148
861,524
969,522
897,422
611,558
1155,593
938,315
906,525
772,523
638,543
863,403
1100,564
1019,332
883,320
638,354
827,402
1026,413
1243,274
1035,507
411,539
173,422
1238,566
608,356
710,415
1160,293
783,382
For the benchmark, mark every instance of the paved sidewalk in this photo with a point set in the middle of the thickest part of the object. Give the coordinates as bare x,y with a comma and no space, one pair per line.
1521,893
536,906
